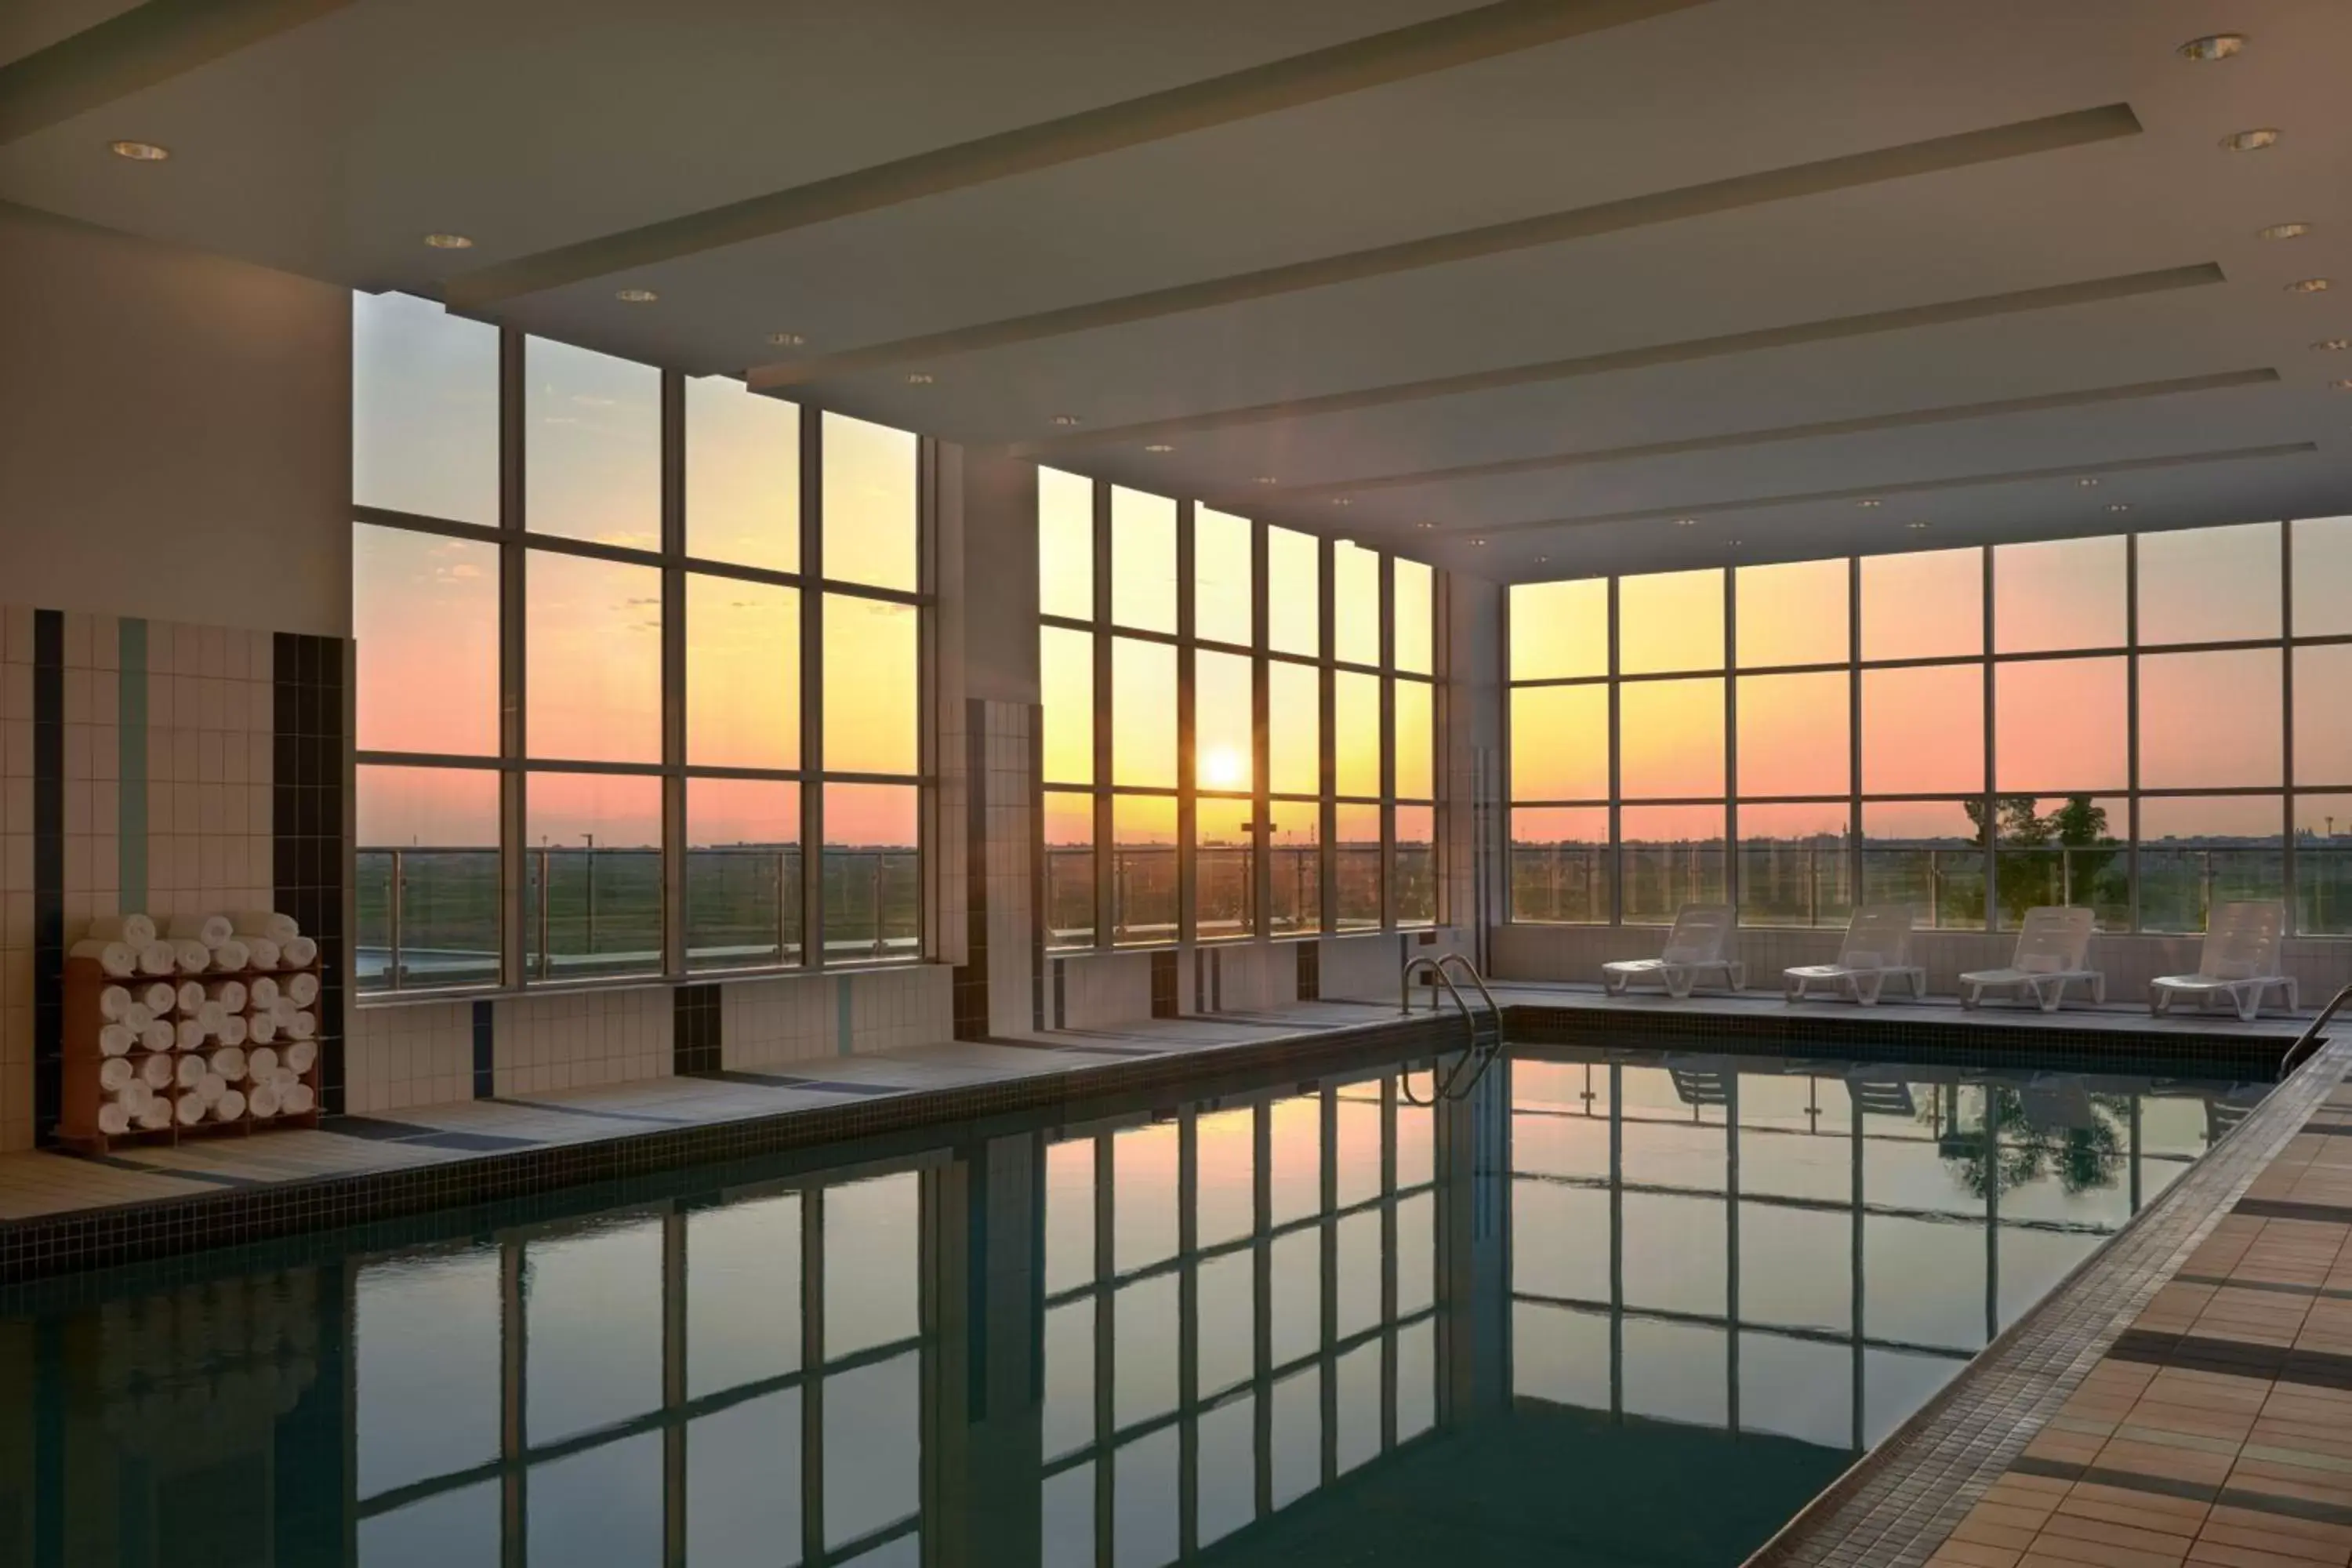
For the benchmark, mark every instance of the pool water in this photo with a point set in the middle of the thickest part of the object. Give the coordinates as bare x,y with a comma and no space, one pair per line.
1608,1308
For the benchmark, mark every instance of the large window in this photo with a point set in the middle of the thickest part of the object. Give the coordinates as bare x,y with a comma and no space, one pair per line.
2146,724
1239,724
618,667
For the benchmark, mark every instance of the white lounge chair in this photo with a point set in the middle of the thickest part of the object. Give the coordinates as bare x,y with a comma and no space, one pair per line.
2240,962
1700,944
2052,950
1878,949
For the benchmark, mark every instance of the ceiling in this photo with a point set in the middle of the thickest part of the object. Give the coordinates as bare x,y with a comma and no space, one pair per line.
1518,287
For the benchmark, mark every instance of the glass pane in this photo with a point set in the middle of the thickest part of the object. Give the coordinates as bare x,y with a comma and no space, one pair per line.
592,445
1294,592
1794,867
2323,864
1928,855
426,612
602,1505
1796,733
1294,729
592,1317
1065,545
1143,714
742,673
872,681
1142,560
1222,743
1416,865
1356,732
2066,851
2061,723
425,410
1671,856
1065,674
1224,867
1416,735
1355,603
1070,870
2195,854
872,1264
592,876
743,872
2323,714
2210,721
873,1456
2059,594
1356,858
1670,735
1414,589
742,1295
1670,620
1143,868
1221,568
1560,631
742,475
873,883
1559,742
1923,730
594,659
426,1362
2210,584
1930,604
1792,613
1559,864
1294,864
2323,576
743,1482
433,835
871,510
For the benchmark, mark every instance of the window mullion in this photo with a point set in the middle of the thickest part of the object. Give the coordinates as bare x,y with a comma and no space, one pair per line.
1188,885
812,888
513,563
673,671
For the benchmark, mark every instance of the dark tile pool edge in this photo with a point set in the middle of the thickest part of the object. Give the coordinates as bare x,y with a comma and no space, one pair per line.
1903,1500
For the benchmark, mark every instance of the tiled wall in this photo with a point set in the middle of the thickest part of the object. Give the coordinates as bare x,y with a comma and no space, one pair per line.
996,983
1097,990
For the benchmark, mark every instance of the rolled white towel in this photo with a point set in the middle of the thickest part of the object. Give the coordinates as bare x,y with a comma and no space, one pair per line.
283,1077
210,930
278,928
301,989
160,997
303,1026
188,1110
300,1055
261,1029
158,957
284,1011
116,1040
118,959
113,1001
191,957
300,953
262,1102
134,1096
263,953
229,1062
116,1074
232,1030
113,1119
230,1107
156,1072
262,994
229,994
211,1087
136,930
260,1062
189,996
136,1017
188,1070
231,954
188,1034
158,1036
295,1101
212,1016
157,1114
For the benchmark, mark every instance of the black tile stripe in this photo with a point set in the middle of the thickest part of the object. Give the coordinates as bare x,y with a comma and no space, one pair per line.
1310,969
2234,1358
2280,1209
2106,1476
485,1035
307,806
1037,869
1164,1004
49,871
970,981
2277,1287
694,1040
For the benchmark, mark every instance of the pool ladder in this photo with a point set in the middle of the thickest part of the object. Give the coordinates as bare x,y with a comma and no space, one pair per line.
2309,1039
1486,1028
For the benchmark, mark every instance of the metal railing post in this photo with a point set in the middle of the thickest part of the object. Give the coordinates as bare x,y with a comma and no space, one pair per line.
393,913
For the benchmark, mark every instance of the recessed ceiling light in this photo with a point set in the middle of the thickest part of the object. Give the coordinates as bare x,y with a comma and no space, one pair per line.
1914,527
2283,231
2249,140
2308,286
1870,505
1732,541
449,242
1477,541
2220,47
1424,525
788,339
1343,500
635,296
2333,345
920,378
2119,506
1159,447
1686,523
1543,560
139,151
2088,484
1065,420
1265,479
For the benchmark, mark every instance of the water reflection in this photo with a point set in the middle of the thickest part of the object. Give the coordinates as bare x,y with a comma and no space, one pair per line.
1319,1325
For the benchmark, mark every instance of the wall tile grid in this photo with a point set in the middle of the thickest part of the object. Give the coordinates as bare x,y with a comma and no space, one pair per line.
581,1039
765,1024
414,1054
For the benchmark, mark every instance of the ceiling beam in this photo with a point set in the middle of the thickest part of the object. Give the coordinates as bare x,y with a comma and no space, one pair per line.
143,47
1426,47
1855,169
1833,329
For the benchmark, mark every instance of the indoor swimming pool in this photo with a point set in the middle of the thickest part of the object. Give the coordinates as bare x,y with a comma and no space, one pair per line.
1314,1323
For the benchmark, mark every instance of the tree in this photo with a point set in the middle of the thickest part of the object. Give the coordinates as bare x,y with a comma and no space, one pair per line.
2065,857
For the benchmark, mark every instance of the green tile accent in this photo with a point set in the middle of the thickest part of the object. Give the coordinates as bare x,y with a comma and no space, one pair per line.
131,811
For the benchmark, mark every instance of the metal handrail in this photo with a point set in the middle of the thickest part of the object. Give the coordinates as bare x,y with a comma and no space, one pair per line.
1474,1061
1476,979
2310,1036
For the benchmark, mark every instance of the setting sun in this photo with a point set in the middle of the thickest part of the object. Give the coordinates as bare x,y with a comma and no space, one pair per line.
1222,768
